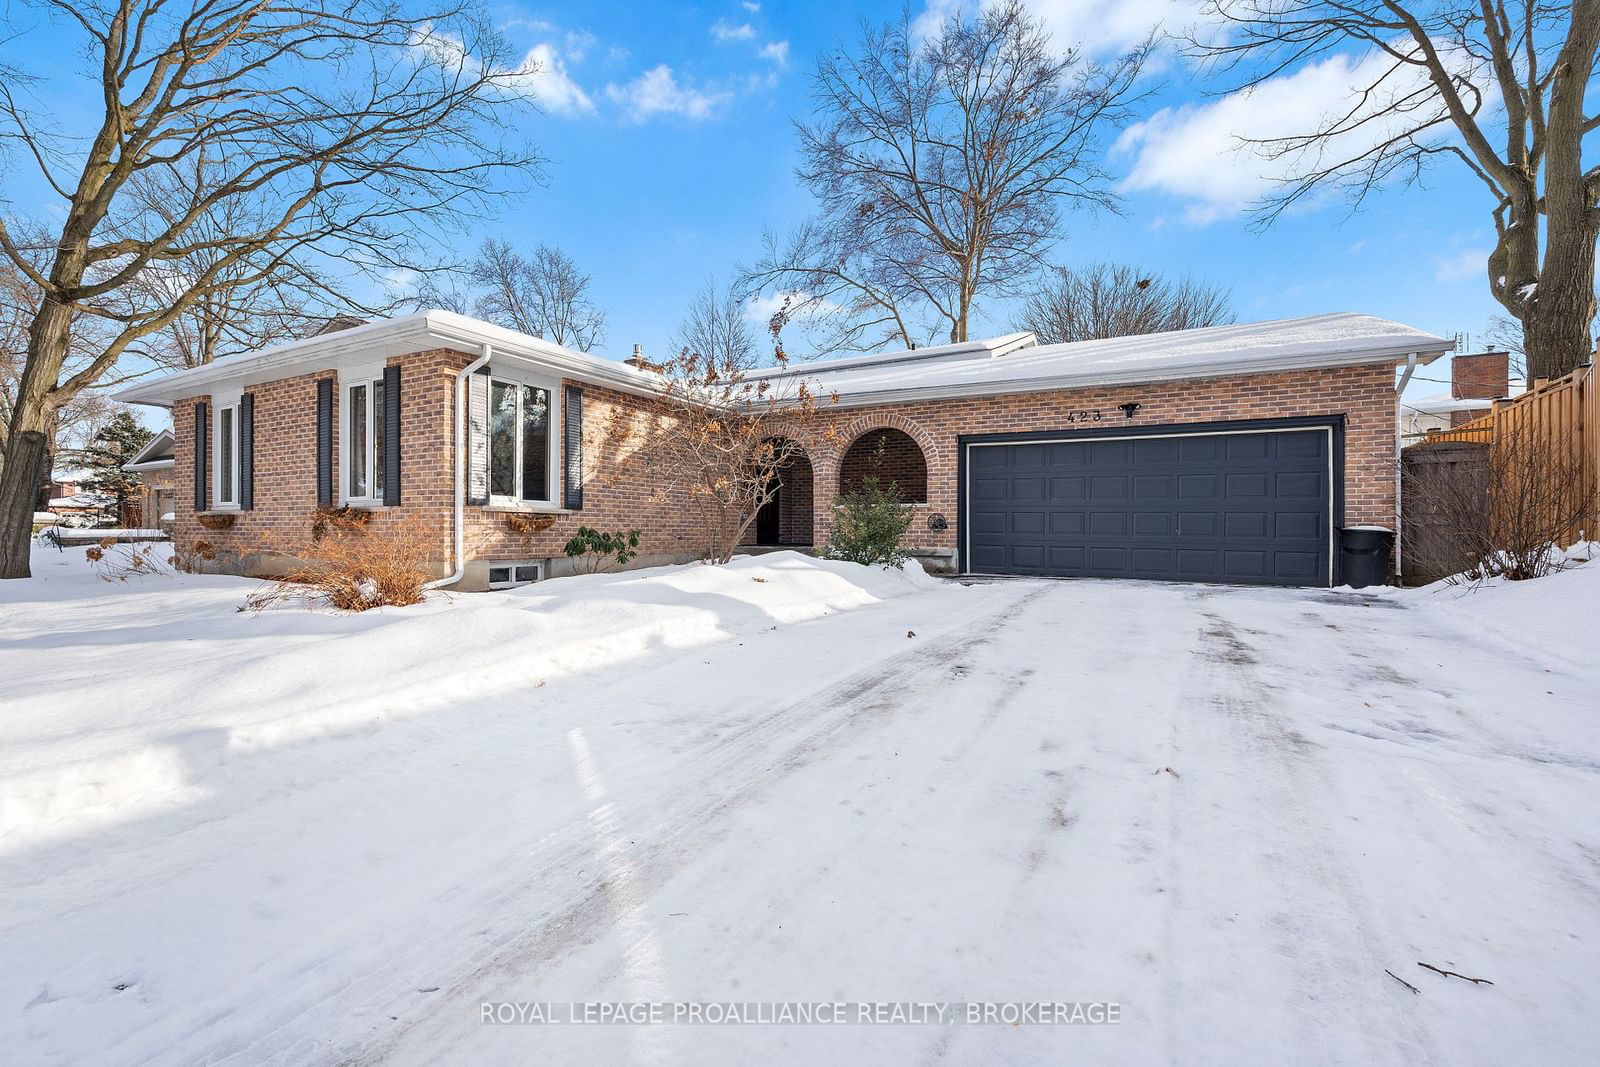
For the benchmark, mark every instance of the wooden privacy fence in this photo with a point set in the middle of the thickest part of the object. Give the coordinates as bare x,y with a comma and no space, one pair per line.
1441,533
1543,456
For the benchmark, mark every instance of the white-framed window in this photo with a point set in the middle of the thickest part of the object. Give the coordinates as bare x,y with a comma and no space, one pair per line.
511,573
522,456
362,438
225,453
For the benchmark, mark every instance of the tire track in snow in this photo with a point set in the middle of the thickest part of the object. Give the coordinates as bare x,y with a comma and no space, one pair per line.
1277,892
731,771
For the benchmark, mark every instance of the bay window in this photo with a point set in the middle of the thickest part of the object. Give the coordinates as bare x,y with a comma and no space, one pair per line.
519,444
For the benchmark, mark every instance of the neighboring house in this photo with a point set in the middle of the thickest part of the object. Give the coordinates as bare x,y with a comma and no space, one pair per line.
71,504
1477,380
153,506
1232,453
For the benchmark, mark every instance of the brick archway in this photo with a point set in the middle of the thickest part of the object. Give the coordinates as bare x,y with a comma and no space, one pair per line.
852,431
789,519
891,454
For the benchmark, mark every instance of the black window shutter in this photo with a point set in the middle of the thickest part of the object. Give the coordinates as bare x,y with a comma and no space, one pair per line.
247,451
325,442
391,436
572,443
478,438
200,440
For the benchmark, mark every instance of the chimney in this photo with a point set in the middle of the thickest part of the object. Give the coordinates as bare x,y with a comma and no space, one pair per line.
1480,376
638,360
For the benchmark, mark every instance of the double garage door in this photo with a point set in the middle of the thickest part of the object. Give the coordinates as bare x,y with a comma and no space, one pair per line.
1242,506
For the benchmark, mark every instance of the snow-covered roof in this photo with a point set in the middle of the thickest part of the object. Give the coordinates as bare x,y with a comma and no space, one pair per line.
71,475
82,500
961,350
1446,404
1007,365
377,341
155,455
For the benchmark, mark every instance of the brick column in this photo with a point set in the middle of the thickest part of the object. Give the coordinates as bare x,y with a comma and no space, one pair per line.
824,489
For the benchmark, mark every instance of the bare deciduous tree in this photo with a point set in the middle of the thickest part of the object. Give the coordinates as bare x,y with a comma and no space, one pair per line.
722,436
356,128
1118,300
1497,86
75,422
259,300
941,168
717,327
543,295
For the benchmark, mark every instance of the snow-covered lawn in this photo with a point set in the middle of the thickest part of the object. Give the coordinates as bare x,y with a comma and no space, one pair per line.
303,837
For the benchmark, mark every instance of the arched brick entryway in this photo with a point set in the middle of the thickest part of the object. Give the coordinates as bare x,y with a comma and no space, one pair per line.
789,519
890,455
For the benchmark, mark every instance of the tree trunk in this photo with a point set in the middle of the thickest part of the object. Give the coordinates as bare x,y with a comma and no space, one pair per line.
1557,319
1560,311
31,422
18,494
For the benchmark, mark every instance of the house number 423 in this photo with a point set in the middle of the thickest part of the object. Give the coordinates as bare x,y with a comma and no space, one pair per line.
1084,416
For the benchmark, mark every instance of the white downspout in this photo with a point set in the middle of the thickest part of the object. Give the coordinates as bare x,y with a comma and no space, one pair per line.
460,522
1399,503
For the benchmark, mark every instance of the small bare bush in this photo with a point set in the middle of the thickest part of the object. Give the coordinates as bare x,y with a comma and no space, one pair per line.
1513,517
353,565
118,563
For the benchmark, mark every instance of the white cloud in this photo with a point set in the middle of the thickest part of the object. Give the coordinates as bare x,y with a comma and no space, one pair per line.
1198,152
1100,27
1460,265
545,75
777,52
723,30
657,92
578,44
750,6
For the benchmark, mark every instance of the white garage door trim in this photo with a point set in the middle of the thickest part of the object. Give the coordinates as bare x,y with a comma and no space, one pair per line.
1068,437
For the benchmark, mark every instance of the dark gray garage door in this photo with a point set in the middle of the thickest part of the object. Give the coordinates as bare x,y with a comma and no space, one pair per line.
1250,507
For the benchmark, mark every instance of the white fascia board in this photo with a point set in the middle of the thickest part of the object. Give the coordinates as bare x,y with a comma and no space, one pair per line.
152,465
1219,369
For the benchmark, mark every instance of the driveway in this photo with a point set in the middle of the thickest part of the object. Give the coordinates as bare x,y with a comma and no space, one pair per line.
1229,811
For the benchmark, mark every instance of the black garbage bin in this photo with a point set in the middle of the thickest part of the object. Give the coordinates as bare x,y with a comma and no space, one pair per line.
1365,551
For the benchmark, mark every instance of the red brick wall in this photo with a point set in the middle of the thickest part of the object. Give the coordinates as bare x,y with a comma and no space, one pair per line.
1365,395
1481,376
622,490
620,487
894,457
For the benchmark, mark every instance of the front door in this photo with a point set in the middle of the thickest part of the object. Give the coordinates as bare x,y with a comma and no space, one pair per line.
767,519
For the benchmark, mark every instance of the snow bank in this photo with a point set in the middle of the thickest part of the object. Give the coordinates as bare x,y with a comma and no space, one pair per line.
1556,614
137,694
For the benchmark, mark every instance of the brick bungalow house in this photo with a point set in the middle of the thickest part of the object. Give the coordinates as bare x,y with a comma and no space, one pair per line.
1232,453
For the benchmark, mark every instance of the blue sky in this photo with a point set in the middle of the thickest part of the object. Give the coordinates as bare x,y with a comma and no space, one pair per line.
679,151
668,129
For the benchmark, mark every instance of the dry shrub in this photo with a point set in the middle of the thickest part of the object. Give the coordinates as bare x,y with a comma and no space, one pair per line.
322,519
352,565
117,562
529,524
1510,514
